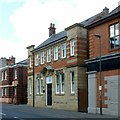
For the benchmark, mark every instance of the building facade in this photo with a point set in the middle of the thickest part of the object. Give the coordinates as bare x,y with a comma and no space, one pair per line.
104,64
13,78
57,71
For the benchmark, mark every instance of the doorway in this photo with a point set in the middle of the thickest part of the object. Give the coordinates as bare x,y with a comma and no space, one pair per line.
49,90
49,94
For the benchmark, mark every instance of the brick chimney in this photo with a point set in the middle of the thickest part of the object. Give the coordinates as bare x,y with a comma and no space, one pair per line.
51,29
11,60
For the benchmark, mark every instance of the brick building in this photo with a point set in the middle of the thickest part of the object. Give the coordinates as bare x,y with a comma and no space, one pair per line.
104,64
57,71
13,79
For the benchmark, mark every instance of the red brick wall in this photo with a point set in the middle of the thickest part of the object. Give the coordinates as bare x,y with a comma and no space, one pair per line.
103,30
104,90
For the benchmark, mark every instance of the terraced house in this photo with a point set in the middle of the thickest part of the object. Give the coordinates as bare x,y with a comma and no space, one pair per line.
57,71
13,79
104,64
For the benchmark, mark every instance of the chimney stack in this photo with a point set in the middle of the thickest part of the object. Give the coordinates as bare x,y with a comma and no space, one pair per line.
106,11
11,60
51,29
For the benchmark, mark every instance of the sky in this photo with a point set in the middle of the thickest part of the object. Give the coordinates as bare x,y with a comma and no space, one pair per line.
26,22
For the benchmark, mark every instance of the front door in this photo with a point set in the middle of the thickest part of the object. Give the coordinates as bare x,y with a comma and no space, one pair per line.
49,94
49,90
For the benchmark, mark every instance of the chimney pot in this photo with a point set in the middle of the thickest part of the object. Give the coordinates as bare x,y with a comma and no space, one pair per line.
50,24
51,29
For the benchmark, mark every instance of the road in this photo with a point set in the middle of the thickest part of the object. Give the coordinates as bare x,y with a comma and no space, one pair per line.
23,112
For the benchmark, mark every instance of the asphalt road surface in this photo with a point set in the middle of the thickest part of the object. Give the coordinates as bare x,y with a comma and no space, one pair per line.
25,112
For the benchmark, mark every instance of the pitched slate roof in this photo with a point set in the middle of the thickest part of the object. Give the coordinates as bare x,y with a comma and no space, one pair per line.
23,62
53,38
92,20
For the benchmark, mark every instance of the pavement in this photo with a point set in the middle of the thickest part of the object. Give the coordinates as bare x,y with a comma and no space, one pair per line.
58,113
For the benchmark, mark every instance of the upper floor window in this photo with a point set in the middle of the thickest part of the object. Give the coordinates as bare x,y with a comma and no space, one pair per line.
36,58
48,55
63,50
15,73
42,57
30,62
56,53
114,36
4,75
72,47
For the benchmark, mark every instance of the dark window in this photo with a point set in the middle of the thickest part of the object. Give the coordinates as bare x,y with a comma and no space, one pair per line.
114,36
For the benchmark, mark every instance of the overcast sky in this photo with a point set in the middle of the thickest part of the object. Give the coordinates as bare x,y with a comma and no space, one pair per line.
26,22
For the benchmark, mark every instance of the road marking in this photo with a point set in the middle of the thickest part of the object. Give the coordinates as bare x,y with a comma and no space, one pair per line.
18,118
3,114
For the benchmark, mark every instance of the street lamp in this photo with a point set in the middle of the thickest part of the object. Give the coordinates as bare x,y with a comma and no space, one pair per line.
100,85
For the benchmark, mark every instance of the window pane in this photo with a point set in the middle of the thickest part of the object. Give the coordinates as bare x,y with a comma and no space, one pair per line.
30,83
112,31
57,84
72,47
117,29
41,86
55,52
48,55
42,57
117,41
112,42
62,83
36,59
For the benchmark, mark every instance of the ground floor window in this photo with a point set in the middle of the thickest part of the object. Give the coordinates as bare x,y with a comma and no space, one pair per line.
37,85
41,86
60,83
4,91
72,82
30,84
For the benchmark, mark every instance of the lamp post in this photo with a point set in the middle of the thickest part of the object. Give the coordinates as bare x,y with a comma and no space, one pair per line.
100,85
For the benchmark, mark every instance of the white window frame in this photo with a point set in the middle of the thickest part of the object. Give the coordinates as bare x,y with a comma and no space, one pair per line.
5,91
36,58
56,53
63,50
30,61
57,84
15,91
42,57
2,75
15,72
48,55
30,84
114,35
41,86
62,84
2,91
72,47
72,82
37,86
